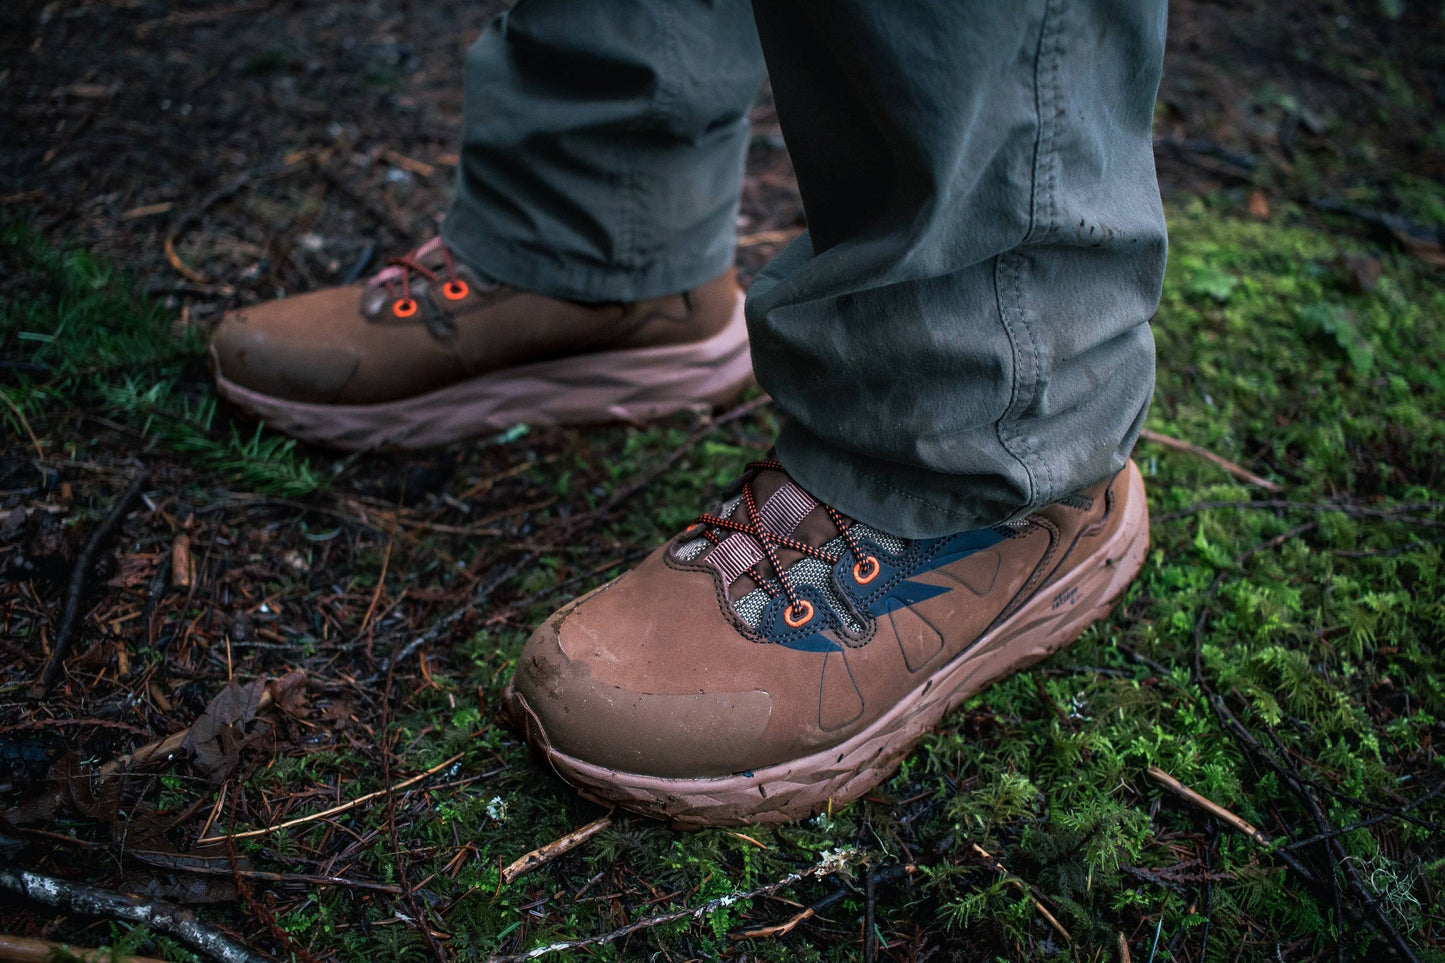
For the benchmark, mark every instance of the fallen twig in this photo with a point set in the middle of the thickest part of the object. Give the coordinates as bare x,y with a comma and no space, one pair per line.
1233,469
299,820
1424,241
182,569
887,874
418,167
259,911
1382,816
182,268
769,237
363,199
146,210
18,949
159,917
1394,513
201,867
190,18
549,852
184,221
408,894
522,605
442,626
626,492
781,929
24,423
569,530
61,723
830,863
380,587
746,838
1195,145
870,919
1026,889
78,575
1208,805
1292,779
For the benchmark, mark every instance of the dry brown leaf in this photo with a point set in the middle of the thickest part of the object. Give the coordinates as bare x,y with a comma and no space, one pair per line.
216,738
288,693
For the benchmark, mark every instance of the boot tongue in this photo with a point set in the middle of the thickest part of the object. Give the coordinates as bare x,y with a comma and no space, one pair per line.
764,485
385,286
785,509
432,254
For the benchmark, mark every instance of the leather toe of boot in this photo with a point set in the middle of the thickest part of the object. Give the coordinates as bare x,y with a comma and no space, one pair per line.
277,349
600,681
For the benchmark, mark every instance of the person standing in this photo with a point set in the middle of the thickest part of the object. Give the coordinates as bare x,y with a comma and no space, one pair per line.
959,345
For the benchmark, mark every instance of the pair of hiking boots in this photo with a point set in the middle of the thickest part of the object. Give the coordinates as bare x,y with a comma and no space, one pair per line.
774,659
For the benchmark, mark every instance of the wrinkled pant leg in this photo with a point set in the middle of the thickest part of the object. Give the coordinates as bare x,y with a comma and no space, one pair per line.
603,145
962,333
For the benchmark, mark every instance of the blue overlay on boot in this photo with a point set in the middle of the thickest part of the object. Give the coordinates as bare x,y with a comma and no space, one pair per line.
936,553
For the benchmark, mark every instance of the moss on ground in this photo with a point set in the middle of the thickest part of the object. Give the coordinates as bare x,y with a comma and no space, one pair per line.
86,346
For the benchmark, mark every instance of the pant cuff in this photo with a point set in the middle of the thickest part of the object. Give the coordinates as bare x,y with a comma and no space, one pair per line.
903,500
535,269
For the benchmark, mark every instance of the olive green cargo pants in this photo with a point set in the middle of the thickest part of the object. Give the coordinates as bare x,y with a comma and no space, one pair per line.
962,334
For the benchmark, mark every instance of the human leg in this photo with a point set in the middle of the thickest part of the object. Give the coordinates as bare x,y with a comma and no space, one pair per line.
603,146
585,271
962,334
960,344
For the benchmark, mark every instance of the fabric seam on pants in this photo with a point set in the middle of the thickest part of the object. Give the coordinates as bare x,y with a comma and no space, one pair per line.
1050,156
1009,267
1006,290
662,110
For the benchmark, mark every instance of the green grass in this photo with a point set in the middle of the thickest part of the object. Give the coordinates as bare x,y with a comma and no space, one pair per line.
82,343
1313,617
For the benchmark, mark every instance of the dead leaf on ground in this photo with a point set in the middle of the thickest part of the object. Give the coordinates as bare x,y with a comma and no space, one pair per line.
216,738
68,789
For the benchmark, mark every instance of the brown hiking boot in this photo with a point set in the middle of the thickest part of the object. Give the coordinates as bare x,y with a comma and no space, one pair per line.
777,657
427,352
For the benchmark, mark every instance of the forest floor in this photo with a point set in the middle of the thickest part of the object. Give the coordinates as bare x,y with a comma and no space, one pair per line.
318,643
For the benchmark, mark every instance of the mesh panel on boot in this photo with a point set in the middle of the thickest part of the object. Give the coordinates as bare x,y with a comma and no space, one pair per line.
805,571
694,547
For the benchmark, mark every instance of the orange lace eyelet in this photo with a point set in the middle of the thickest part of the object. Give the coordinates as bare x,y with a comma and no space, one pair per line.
455,290
870,566
797,621
404,307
